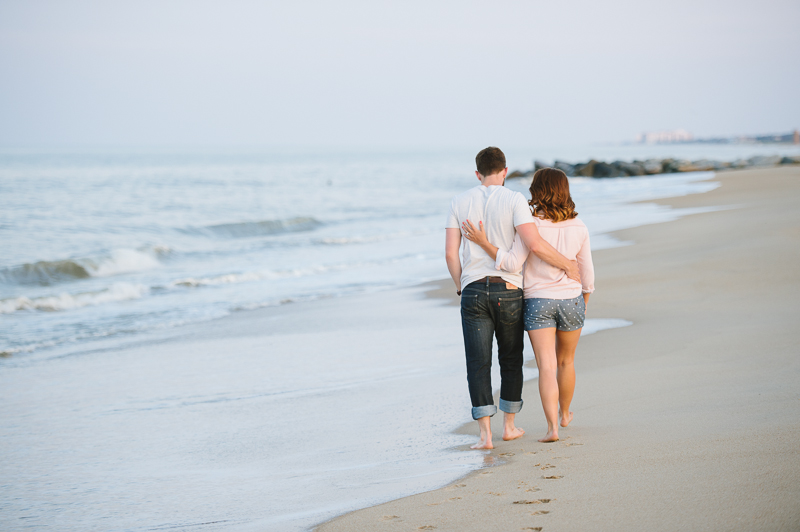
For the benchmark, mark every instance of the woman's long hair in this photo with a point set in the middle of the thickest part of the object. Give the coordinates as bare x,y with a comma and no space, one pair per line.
550,197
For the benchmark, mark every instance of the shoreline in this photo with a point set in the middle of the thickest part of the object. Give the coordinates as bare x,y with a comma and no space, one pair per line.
612,370
208,403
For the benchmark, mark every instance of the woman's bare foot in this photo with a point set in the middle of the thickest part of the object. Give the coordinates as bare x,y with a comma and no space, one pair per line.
566,419
512,433
551,436
485,443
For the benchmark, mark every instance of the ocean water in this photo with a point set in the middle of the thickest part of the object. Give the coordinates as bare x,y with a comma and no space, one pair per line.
111,245
156,375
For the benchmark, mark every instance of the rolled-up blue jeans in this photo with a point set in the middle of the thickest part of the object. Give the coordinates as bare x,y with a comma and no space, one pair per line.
492,310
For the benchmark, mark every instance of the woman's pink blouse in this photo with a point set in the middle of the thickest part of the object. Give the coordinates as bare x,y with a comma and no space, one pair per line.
571,239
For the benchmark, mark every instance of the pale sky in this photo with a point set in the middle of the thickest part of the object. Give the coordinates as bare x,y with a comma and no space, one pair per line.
393,74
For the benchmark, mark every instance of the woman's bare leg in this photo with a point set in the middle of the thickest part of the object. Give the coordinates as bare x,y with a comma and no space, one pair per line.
544,347
566,343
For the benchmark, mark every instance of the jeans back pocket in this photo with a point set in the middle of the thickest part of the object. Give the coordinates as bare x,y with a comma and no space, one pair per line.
509,309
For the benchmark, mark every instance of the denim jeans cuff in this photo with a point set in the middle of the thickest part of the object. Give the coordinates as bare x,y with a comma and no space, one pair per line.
483,411
511,407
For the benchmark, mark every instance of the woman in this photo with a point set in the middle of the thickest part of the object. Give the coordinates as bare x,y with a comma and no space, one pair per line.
554,305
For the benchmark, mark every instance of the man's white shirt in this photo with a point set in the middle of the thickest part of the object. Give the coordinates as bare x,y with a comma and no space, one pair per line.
500,210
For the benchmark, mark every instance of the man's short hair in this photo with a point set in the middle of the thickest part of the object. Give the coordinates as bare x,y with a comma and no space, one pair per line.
490,161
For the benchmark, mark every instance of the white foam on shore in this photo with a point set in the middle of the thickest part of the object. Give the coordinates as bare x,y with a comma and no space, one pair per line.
229,278
593,325
64,301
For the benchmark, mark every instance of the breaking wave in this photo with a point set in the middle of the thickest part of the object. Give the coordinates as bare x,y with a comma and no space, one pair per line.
117,262
114,293
45,272
262,228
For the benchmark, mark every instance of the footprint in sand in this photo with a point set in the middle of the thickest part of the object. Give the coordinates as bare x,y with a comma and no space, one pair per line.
426,527
389,517
541,512
547,466
533,489
506,454
554,477
571,444
532,528
455,498
534,501
493,493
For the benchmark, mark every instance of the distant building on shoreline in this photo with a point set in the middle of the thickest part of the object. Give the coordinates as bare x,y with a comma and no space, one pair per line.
684,137
664,137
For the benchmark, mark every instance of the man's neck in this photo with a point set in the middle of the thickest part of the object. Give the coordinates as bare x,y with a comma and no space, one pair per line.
492,181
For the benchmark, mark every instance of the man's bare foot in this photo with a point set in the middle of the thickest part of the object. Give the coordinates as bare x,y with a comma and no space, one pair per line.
485,424
566,419
550,437
483,444
512,433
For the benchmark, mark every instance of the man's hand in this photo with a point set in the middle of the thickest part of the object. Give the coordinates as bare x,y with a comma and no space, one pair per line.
573,272
542,249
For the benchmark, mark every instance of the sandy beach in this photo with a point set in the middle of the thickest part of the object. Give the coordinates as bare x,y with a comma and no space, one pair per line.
690,418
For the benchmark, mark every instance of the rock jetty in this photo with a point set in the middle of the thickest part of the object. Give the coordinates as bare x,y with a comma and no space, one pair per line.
601,169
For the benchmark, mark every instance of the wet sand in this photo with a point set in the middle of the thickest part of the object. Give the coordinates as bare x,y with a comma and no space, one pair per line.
689,419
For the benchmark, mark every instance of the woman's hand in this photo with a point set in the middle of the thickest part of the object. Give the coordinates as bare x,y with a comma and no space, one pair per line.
475,235
479,237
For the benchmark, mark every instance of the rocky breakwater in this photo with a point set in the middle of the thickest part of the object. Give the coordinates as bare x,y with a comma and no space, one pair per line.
601,169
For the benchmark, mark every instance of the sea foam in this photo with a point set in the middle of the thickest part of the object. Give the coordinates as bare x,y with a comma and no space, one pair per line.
65,301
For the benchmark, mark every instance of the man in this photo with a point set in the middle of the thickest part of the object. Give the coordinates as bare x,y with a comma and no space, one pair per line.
492,304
